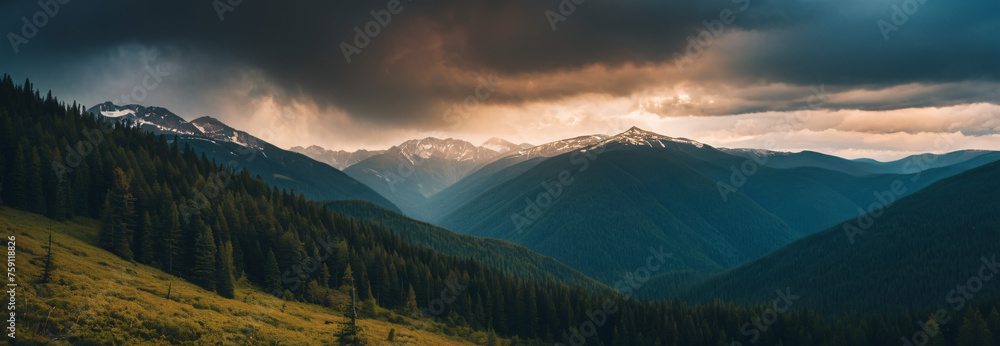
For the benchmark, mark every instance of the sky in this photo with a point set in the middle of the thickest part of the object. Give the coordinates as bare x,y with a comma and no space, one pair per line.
855,78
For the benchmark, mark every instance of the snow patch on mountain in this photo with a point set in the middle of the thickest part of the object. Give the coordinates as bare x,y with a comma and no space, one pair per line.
639,137
117,113
500,145
161,121
559,147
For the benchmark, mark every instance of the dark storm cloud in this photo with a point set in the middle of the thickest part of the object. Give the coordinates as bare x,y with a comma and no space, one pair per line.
841,43
431,51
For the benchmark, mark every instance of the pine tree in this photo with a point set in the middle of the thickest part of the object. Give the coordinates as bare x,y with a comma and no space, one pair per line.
35,196
348,278
172,237
58,210
224,270
492,340
315,293
81,189
411,308
49,266
64,201
116,233
723,340
238,266
531,311
272,275
18,180
203,267
974,331
934,331
993,323
350,334
146,240
324,275
382,286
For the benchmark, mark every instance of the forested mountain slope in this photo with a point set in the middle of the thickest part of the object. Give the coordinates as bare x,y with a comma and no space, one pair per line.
912,255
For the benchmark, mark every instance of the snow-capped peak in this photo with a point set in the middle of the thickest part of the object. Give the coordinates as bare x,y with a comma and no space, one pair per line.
755,152
209,125
217,130
161,121
561,146
500,145
640,137
448,149
339,159
156,119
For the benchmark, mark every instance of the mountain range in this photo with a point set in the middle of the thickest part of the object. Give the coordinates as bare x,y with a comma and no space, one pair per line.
588,201
225,145
408,173
617,196
339,159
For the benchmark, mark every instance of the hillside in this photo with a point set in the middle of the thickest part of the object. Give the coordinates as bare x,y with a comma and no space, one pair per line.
911,257
96,298
504,256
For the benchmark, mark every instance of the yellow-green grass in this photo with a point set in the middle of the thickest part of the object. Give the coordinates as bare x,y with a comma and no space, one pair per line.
95,297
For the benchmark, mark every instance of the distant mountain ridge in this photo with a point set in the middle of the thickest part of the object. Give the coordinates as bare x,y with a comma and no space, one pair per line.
906,165
408,173
226,145
451,149
162,121
339,159
156,119
503,146
619,195
639,187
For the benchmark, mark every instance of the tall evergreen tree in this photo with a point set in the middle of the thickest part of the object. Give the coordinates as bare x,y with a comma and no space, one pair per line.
58,208
993,323
411,308
272,274
203,266
146,239
974,331
934,331
81,189
350,333
224,270
324,275
34,194
48,266
116,233
18,180
172,237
